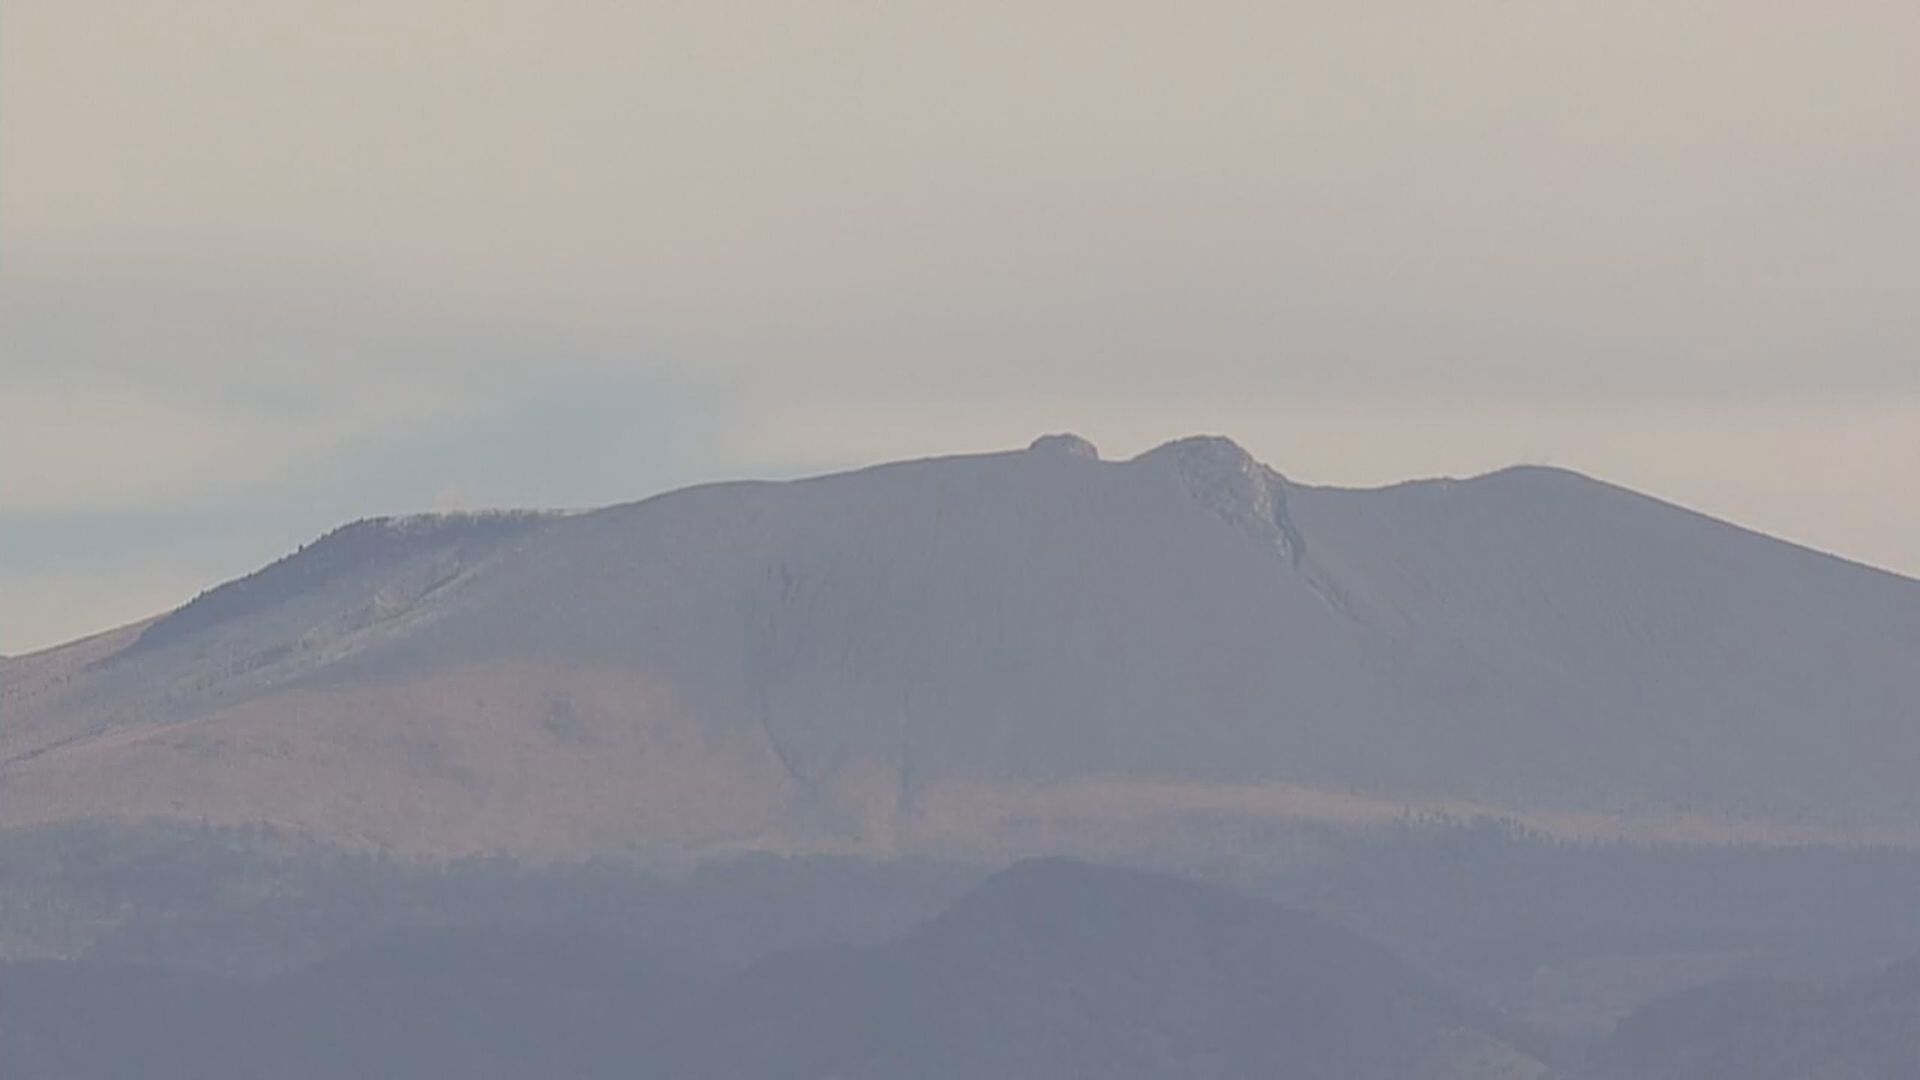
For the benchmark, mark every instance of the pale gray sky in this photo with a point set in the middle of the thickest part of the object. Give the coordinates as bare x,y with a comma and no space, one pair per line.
269,266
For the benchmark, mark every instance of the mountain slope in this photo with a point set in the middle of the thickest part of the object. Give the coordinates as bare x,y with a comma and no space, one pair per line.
1004,654
1052,969
1056,968
1865,1029
483,1002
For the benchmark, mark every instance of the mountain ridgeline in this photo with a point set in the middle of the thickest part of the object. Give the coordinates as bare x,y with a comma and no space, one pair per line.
1002,655
1050,969
1506,778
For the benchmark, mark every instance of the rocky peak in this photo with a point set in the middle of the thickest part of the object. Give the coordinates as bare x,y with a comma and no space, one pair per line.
1066,443
1224,478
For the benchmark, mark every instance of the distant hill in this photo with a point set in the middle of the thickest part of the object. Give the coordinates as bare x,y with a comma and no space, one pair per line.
1865,1029
1005,654
1056,969
1051,969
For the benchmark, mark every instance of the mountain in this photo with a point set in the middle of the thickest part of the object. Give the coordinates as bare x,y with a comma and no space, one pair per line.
1004,654
1056,968
1049,969
1867,1028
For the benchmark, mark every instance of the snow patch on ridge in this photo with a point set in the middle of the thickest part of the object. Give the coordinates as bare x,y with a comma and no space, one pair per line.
1224,478
358,547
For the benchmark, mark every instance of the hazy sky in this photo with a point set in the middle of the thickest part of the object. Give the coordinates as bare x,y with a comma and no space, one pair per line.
268,266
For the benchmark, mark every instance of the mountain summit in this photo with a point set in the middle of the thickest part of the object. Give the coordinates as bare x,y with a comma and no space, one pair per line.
1005,653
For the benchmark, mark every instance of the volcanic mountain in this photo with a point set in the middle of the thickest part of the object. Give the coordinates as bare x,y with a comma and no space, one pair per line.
1026,652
